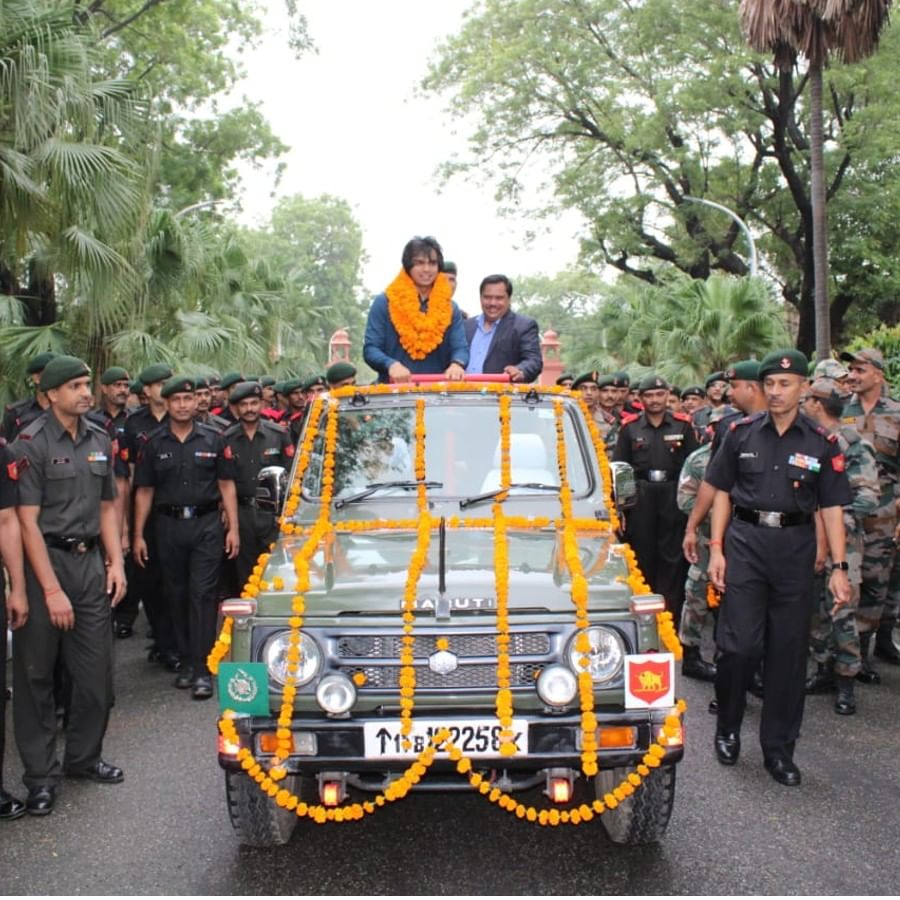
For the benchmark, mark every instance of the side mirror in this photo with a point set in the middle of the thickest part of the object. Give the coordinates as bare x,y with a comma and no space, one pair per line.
624,485
271,487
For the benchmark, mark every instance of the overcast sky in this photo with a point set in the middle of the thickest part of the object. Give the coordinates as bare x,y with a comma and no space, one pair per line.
357,130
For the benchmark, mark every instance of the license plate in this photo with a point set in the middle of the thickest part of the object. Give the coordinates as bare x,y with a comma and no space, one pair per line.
474,737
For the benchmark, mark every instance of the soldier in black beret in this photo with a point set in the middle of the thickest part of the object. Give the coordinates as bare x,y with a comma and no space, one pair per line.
254,443
184,471
565,380
656,443
203,398
295,414
340,374
69,524
775,474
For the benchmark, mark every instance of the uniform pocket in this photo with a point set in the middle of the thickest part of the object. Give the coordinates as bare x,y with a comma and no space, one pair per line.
886,438
805,484
750,465
100,468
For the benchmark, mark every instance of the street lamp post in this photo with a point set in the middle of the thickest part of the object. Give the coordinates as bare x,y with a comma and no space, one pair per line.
754,267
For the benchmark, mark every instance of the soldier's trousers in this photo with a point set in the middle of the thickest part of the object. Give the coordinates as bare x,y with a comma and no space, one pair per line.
87,653
2,675
697,618
192,552
765,614
258,528
834,636
878,558
655,532
149,586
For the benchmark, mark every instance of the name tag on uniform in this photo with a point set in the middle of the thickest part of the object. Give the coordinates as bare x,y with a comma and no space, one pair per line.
802,461
97,457
60,460
205,454
164,456
748,454
271,451
673,437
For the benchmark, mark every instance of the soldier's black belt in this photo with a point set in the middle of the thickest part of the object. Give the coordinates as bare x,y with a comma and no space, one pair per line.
187,512
72,544
655,475
770,519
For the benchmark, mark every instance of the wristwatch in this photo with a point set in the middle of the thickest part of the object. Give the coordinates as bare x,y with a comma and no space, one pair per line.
843,566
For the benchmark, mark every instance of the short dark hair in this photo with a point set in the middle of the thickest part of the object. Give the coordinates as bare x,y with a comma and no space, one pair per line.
426,245
495,279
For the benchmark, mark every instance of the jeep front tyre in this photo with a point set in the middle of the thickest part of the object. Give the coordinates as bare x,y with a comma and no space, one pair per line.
258,820
643,817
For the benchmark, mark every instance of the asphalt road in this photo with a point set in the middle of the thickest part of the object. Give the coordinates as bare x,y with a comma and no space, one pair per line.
165,830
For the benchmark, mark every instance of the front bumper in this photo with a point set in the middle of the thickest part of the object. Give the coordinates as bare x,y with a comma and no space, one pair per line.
553,742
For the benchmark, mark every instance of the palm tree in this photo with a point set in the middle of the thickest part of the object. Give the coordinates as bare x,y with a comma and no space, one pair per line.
814,28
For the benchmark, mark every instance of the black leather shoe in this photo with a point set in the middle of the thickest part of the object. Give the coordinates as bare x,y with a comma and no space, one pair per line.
728,747
821,681
783,771
10,807
170,661
40,800
693,665
203,688
123,631
845,702
101,772
867,675
184,679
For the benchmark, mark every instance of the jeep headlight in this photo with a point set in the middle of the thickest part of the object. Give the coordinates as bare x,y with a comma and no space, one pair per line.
604,651
275,656
336,694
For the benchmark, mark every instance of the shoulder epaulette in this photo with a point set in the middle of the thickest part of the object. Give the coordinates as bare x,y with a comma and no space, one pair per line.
203,426
273,426
233,428
628,418
745,420
32,428
95,426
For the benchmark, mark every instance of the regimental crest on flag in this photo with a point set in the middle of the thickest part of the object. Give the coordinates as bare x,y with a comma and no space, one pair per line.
649,680
244,688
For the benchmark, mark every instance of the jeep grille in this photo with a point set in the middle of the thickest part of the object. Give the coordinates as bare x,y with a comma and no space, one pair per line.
388,646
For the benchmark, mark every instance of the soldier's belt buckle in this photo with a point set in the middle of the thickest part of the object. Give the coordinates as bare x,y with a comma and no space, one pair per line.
80,547
770,519
188,512
657,475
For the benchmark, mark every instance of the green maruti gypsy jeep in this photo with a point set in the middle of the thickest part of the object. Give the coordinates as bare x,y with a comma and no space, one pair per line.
397,454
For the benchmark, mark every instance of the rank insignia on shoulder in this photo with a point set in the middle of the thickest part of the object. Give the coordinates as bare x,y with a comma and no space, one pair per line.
837,462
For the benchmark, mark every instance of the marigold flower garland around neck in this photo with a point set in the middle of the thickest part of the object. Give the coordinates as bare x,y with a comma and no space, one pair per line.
420,331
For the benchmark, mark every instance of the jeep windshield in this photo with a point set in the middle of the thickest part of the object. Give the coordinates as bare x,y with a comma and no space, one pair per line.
376,444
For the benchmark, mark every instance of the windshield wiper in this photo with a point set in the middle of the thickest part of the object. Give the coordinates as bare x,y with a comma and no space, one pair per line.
490,495
376,486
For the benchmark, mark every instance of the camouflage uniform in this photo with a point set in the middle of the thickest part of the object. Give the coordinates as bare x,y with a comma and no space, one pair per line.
608,425
696,616
881,428
836,636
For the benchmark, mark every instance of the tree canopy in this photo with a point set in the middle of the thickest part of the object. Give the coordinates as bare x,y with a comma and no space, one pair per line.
634,108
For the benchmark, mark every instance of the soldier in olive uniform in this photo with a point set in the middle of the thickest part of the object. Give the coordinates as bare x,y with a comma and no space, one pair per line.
21,413
772,473
254,443
14,611
834,638
67,513
656,443
877,419
183,472
340,374
697,619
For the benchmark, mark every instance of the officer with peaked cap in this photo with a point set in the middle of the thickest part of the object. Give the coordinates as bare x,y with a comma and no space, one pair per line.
254,443
69,522
19,414
656,443
183,471
773,473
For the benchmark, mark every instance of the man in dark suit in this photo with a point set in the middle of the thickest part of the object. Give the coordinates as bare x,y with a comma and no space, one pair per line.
501,341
